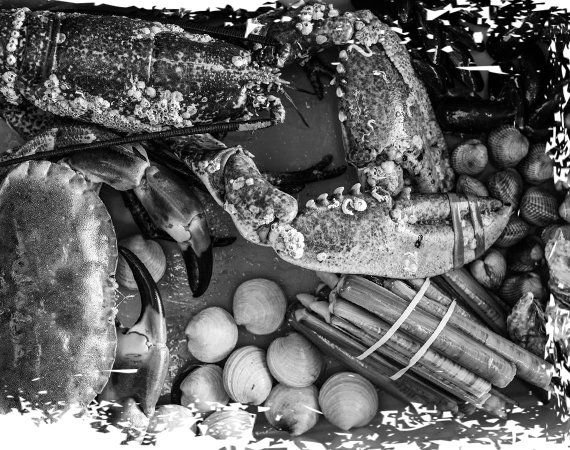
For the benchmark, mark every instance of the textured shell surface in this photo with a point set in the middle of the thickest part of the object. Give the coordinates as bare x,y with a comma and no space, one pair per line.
246,376
507,146
490,271
294,361
229,424
506,185
149,252
348,400
564,209
539,207
212,334
259,305
172,418
527,255
550,231
470,157
203,389
471,186
514,232
292,409
537,166
517,285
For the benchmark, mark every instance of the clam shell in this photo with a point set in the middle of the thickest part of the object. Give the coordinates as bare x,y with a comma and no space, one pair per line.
507,146
564,209
550,231
470,186
538,166
506,185
172,418
539,207
294,361
490,271
527,255
517,285
151,255
470,157
292,409
246,376
212,334
259,305
348,400
232,424
203,389
515,230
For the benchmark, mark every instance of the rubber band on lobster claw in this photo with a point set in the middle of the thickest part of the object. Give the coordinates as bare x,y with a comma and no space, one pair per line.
141,360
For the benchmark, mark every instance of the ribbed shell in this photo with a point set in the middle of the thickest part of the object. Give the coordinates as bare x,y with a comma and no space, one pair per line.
507,186
564,209
246,376
149,252
292,409
538,166
294,361
527,255
470,186
539,207
470,157
348,400
517,285
515,230
203,389
234,424
490,271
550,231
212,334
507,146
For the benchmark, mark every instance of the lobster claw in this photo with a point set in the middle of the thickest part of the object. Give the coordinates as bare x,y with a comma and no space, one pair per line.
141,359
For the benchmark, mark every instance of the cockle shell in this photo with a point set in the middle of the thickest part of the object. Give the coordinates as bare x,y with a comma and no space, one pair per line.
348,400
549,232
246,376
212,334
517,285
292,409
232,424
490,271
507,186
539,207
294,361
470,186
515,230
470,157
564,209
507,146
259,305
173,418
149,252
527,255
538,166
203,389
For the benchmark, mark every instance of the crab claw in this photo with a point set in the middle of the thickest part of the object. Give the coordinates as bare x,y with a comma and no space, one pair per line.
141,359
423,236
173,207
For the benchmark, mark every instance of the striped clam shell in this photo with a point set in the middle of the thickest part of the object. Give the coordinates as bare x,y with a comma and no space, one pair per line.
507,146
517,285
539,207
515,230
507,186
470,157
564,209
467,185
538,166
527,255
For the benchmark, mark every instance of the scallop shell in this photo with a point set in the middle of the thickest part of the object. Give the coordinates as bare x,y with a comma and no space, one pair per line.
246,376
507,186
514,232
517,285
470,157
348,400
292,409
539,207
564,209
231,424
527,255
172,418
259,305
490,271
470,186
507,146
203,389
212,334
538,166
550,231
294,361
151,255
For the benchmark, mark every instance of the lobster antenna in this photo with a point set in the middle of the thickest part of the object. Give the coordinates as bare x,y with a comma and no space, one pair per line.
288,97
217,127
225,32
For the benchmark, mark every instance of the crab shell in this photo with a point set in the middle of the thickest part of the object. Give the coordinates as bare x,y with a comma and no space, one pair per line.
58,256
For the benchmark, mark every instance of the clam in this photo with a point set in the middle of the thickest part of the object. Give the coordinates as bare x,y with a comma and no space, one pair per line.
538,166
527,255
517,285
550,231
470,186
259,305
490,271
212,334
294,361
507,146
203,389
294,410
232,424
564,209
515,230
470,157
172,418
506,185
539,207
246,376
149,252
348,400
